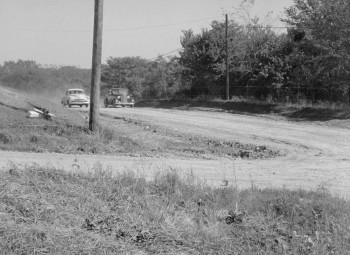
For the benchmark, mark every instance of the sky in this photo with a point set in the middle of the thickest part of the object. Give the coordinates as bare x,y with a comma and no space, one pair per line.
60,32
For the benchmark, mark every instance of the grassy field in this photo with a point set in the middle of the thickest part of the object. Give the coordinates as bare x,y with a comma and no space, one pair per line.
49,211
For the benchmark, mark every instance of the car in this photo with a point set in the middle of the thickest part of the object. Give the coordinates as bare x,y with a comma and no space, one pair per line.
118,97
75,97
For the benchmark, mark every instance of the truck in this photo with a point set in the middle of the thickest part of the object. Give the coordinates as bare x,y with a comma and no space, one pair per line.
118,97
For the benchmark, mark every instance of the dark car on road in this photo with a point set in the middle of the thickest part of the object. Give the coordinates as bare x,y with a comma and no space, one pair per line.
119,97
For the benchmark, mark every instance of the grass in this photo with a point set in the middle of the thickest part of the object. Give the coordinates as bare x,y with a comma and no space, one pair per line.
49,211
67,133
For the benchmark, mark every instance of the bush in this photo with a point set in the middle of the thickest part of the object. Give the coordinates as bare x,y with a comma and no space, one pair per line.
5,137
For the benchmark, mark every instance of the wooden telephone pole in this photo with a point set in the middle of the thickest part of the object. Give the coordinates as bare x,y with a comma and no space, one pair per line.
96,66
227,64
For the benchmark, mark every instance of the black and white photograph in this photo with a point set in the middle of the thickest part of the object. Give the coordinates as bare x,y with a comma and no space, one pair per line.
182,127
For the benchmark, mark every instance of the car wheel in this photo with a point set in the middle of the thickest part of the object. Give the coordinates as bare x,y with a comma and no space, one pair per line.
86,105
70,105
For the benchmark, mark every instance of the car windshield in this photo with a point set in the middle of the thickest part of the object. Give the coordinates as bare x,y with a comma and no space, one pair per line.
76,92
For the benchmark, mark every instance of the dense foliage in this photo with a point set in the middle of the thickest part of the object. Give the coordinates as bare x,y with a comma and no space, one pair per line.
160,78
325,46
311,61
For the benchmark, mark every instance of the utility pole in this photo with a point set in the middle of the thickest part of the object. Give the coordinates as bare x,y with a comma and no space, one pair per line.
96,67
227,64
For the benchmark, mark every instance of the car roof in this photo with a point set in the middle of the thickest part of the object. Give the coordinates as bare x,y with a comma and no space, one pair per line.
75,90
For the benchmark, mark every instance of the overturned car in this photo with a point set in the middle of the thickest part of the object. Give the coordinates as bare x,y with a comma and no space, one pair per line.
119,97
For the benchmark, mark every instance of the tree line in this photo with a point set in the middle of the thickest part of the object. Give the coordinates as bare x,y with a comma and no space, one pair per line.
310,61
30,76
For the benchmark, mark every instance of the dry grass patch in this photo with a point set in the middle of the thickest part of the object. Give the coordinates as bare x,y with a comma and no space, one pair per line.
49,211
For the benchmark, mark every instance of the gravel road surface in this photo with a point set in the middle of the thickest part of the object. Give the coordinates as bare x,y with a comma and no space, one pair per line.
315,154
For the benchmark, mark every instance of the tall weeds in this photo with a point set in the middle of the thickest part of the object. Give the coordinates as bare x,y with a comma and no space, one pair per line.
49,211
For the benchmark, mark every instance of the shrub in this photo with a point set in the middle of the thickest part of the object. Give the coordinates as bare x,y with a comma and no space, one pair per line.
5,137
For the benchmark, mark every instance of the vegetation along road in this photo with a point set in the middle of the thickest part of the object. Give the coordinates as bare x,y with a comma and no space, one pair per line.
309,154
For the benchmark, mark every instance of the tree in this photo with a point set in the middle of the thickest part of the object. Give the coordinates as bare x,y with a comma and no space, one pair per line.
313,57
326,25
163,79
144,79
30,76
128,72
251,57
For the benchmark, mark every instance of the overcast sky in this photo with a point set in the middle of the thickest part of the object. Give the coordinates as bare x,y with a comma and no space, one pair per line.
59,32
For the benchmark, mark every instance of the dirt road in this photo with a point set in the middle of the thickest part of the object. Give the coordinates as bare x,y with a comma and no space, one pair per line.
314,154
